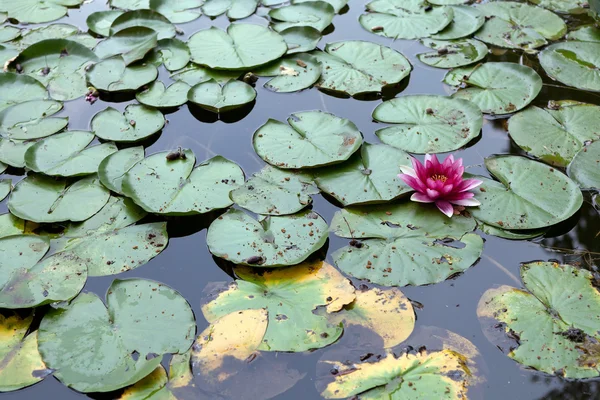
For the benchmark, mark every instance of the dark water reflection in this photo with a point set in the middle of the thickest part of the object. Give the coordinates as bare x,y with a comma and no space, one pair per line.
187,266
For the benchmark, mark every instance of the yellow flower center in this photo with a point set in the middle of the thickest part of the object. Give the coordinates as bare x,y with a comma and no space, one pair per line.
438,177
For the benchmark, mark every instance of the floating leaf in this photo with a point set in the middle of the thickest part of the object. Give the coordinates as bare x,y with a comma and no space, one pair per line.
99,22
507,234
555,321
272,241
300,38
173,53
7,54
274,191
8,33
55,31
337,5
157,96
144,18
404,244
586,33
235,9
584,169
74,333
428,123
573,63
37,11
243,46
292,294
5,188
112,169
216,98
12,152
316,14
291,73
172,186
557,133
113,75
369,176
11,225
136,123
356,67
131,43
15,89
452,54
467,20
564,6
527,195
129,4
194,74
178,12
500,87
31,120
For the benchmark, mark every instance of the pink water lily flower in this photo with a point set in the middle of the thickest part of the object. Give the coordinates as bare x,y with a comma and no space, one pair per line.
440,183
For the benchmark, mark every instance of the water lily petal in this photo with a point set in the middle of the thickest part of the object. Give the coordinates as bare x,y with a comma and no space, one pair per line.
433,194
466,202
468,184
445,207
408,171
421,198
412,182
419,169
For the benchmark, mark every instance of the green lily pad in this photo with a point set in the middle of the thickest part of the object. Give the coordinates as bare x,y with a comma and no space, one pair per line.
291,73
31,120
235,9
216,98
564,6
3,167
312,139
40,198
301,38
99,22
8,33
586,33
242,47
573,63
337,5
55,31
316,14
144,18
72,334
500,87
194,74
557,133
22,364
273,191
356,67
428,123
37,11
15,89
584,169
67,154
112,169
555,319
11,225
7,54
173,53
131,43
369,176
467,20
5,188
527,195
178,12
290,295
273,241
129,4
452,54
160,97
172,186
518,25
138,122
113,75
404,244
507,234
12,152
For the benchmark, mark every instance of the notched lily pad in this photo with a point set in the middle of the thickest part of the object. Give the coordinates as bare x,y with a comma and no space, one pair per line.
16,88
160,97
291,73
31,120
316,14
143,18
585,167
452,54
212,96
113,75
573,63
138,122
37,11
131,44
112,169
235,9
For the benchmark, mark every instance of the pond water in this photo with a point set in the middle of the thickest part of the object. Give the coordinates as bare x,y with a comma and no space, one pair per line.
187,266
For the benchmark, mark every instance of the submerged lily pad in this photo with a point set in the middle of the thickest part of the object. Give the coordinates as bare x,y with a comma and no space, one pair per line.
144,18
131,44
15,89
573,63
555,321
585,167
72,334
216,98
555,134
160,97
31,120
37,11
467,20
452,54
235,9
527,195
113,75
272,241
137,123
178,12
99,22
316,14
300,38
291,73
112,169
404,244
500,87
172,186
428,123
292,294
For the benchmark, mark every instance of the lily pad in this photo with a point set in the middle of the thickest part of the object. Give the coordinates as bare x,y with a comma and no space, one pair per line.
178,12
168,186
291,73
5,188
337,5
316,14
31,120
37,11
72,334
585,167
564,6
312,139
216,98
15,89
369,176
235,9
301,38
67,154
40,198
586,33
511,235
500,87
242,47
273,191
173,53
11,225
130,4
113,75
12,152
144,18
356,67
99,22
160,97
557,133
573,63
194,74
428,123
292,294
272,241
137,123
467,20
557,332
8,33
131,43
404,244
452,54
55,31
7,54
527,195
518,25
112,169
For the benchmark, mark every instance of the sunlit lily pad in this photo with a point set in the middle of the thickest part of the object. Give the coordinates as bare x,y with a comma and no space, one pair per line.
235,9
99,22
160,97
12,152
428,123
586,33
337,5
172,186
272,241
44,199
136,123
555,134
564,6
518,25
316,14
131,44
15,89
466,21
178,12
31,120
300,38
508,234
11,225
112,169
369,176
5,188
194,74
7,53
216,98
55,31
172,52
585,167
500,87
555,321
292,296
129,4
573,63
312,139
37,11
144,18
527,195
113,75
8,33
355,67
73,333
404,244
291,73
243,46
452,54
